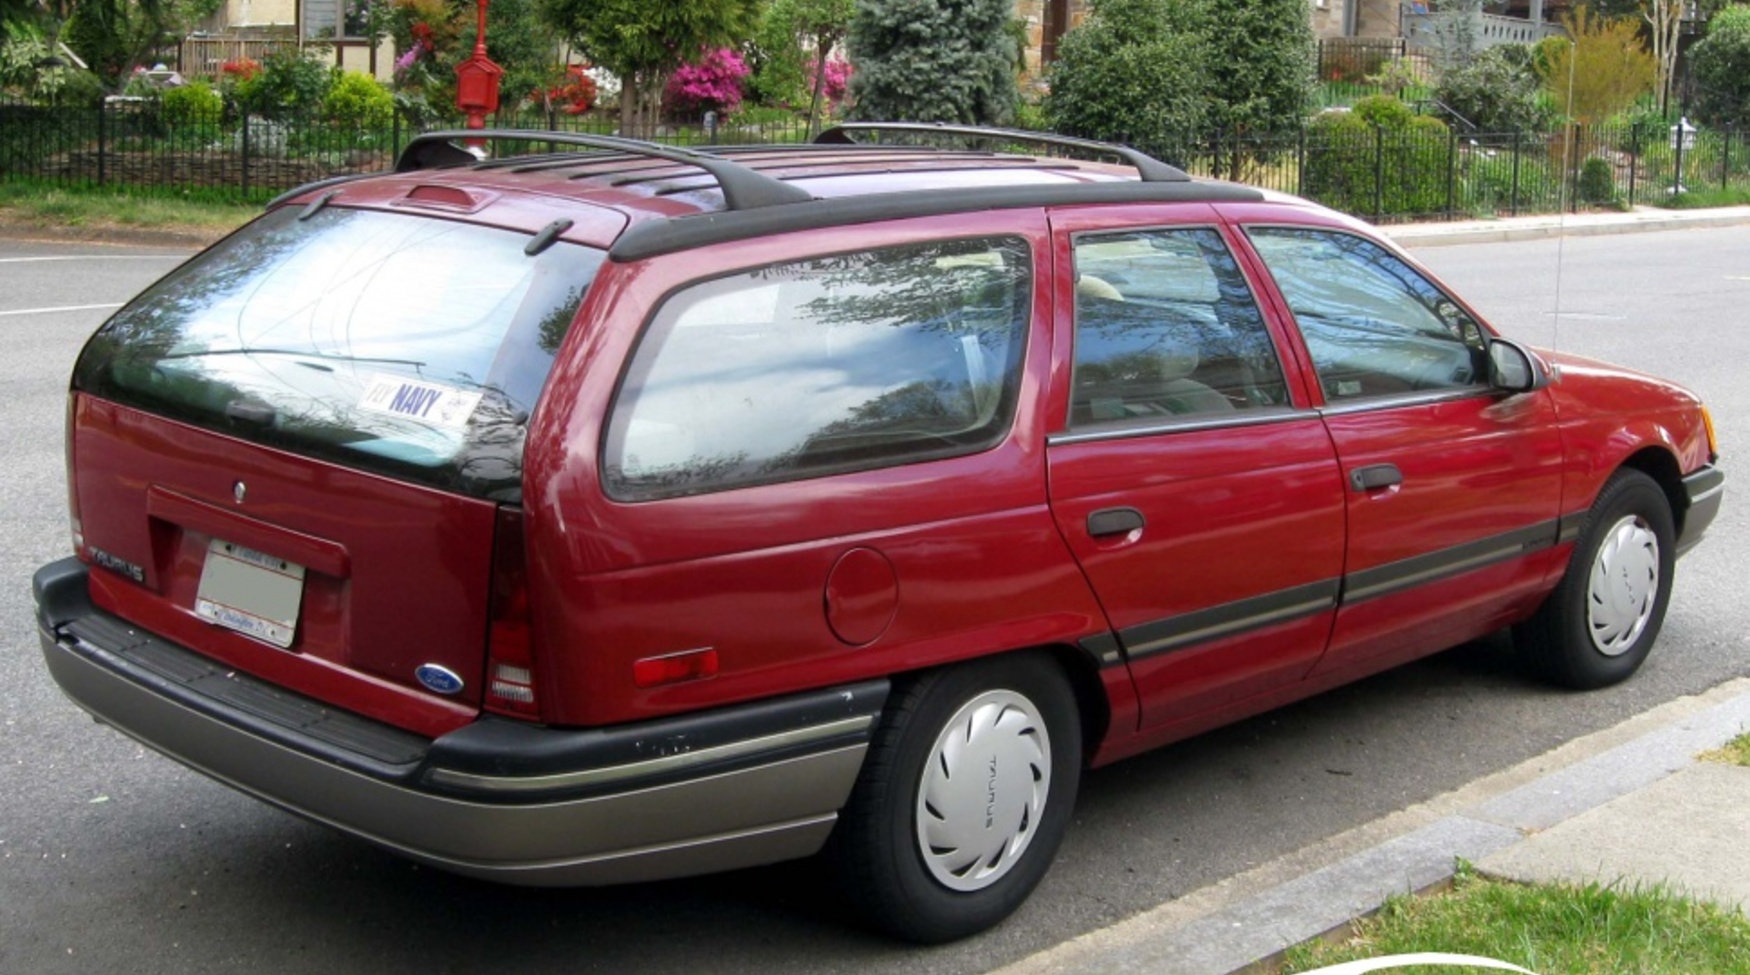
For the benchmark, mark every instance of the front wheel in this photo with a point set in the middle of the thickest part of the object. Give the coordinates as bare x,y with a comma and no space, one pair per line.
963,799
1601,621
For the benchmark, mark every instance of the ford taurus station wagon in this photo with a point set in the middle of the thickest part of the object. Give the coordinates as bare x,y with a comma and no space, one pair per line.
598,511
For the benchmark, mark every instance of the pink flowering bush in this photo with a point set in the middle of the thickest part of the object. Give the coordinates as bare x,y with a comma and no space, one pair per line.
838,81
713,84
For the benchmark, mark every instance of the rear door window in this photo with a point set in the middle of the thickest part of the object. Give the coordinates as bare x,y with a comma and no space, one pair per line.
391,342
1166,329
834,364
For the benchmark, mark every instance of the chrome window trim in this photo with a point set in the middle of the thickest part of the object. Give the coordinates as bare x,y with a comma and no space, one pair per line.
1191,424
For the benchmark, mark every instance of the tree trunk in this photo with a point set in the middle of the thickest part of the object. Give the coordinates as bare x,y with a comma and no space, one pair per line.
820,54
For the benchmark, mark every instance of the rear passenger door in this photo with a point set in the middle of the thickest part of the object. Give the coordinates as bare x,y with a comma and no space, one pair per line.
1194,484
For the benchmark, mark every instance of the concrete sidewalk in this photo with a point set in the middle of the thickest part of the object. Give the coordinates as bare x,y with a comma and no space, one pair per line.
1638,220
1629,804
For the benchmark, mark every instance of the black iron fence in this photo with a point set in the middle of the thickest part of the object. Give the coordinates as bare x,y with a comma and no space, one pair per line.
1379,174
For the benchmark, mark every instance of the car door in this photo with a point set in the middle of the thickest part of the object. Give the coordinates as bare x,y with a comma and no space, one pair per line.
1453,487
1188,474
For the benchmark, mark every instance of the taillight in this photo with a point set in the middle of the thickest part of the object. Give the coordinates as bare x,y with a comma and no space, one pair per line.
75,526
510,656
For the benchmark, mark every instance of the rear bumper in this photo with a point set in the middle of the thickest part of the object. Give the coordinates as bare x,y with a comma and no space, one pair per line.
1702,491
497,799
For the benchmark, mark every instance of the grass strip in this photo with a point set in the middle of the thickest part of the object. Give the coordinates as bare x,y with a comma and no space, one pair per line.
38,204
1551,929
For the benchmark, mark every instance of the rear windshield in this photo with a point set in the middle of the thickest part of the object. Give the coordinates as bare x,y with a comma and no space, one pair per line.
405,345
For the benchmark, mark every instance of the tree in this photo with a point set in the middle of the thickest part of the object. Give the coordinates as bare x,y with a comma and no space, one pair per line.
1721,64
642,41
1133,72
932,61
1261,65
1602,72
1498,91
824,24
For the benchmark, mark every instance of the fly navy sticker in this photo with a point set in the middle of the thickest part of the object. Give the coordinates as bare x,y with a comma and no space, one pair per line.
415,399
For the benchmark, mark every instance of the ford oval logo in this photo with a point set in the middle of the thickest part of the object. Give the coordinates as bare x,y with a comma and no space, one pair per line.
441,680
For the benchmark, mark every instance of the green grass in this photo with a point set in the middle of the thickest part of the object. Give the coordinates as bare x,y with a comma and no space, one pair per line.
43,205
1551,929
1734,752
1737,196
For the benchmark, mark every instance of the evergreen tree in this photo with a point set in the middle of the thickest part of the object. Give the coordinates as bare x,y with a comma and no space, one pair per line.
933,61
1721,63
1133,72
1261,65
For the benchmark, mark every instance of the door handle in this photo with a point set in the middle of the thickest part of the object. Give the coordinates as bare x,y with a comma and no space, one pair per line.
1114,521
1375,476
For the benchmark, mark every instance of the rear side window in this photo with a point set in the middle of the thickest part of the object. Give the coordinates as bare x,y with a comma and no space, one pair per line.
835,364
390,342
1166,328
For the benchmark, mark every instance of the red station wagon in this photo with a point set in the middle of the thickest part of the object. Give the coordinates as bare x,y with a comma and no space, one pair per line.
612,511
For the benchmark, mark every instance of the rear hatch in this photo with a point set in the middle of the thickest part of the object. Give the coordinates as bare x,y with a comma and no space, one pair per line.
293,454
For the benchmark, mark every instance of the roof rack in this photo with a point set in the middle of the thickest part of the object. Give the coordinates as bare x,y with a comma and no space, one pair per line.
743,188
1151,170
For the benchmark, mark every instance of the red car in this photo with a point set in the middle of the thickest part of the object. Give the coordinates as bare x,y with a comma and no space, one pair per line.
614,512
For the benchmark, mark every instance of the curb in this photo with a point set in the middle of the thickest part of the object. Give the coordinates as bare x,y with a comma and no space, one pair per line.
1253,917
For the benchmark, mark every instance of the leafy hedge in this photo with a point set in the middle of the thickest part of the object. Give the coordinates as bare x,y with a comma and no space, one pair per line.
1378,159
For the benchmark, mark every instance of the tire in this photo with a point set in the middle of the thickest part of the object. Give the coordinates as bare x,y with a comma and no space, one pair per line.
1598,625
963,798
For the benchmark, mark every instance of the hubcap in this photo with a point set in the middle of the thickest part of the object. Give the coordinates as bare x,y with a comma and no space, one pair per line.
983,790
1623,586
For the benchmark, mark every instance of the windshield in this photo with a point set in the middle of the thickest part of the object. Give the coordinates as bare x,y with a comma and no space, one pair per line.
406,345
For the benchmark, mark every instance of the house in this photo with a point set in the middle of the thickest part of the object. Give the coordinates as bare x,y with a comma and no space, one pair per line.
253,28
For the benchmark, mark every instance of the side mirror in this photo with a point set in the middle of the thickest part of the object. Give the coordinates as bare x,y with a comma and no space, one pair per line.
1514,368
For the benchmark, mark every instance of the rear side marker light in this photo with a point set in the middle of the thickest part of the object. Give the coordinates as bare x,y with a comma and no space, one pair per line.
675,668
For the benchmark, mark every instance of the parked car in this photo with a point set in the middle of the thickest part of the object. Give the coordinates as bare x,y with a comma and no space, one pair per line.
612,512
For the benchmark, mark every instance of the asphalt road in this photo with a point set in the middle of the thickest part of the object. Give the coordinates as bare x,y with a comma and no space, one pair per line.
115,860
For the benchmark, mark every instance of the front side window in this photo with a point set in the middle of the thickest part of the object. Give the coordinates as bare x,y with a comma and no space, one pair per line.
1372,324
391,342
823,366
1167,327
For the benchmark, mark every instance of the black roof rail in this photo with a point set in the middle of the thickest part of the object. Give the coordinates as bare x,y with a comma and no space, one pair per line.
1151,170
743,189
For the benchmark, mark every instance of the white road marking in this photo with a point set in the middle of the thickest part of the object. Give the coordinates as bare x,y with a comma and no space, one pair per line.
51,311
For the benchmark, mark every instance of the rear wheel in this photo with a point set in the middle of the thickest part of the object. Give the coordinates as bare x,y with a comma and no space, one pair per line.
963,799
1598,626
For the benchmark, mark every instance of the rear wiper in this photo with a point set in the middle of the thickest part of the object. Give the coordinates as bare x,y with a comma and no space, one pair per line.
305,353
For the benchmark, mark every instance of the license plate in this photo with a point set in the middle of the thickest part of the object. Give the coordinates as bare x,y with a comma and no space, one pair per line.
250,592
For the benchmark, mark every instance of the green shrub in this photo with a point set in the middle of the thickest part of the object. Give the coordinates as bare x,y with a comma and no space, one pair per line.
1133,72
1597,182
357,99
191,105
1383,111
1721,64
287,85
1397,167
1498,91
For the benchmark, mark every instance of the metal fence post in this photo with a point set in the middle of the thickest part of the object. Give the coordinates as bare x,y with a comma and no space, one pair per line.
1378,173
1726,158
1513,192
245,155
1300,162
1451,172
102,138
1634,160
